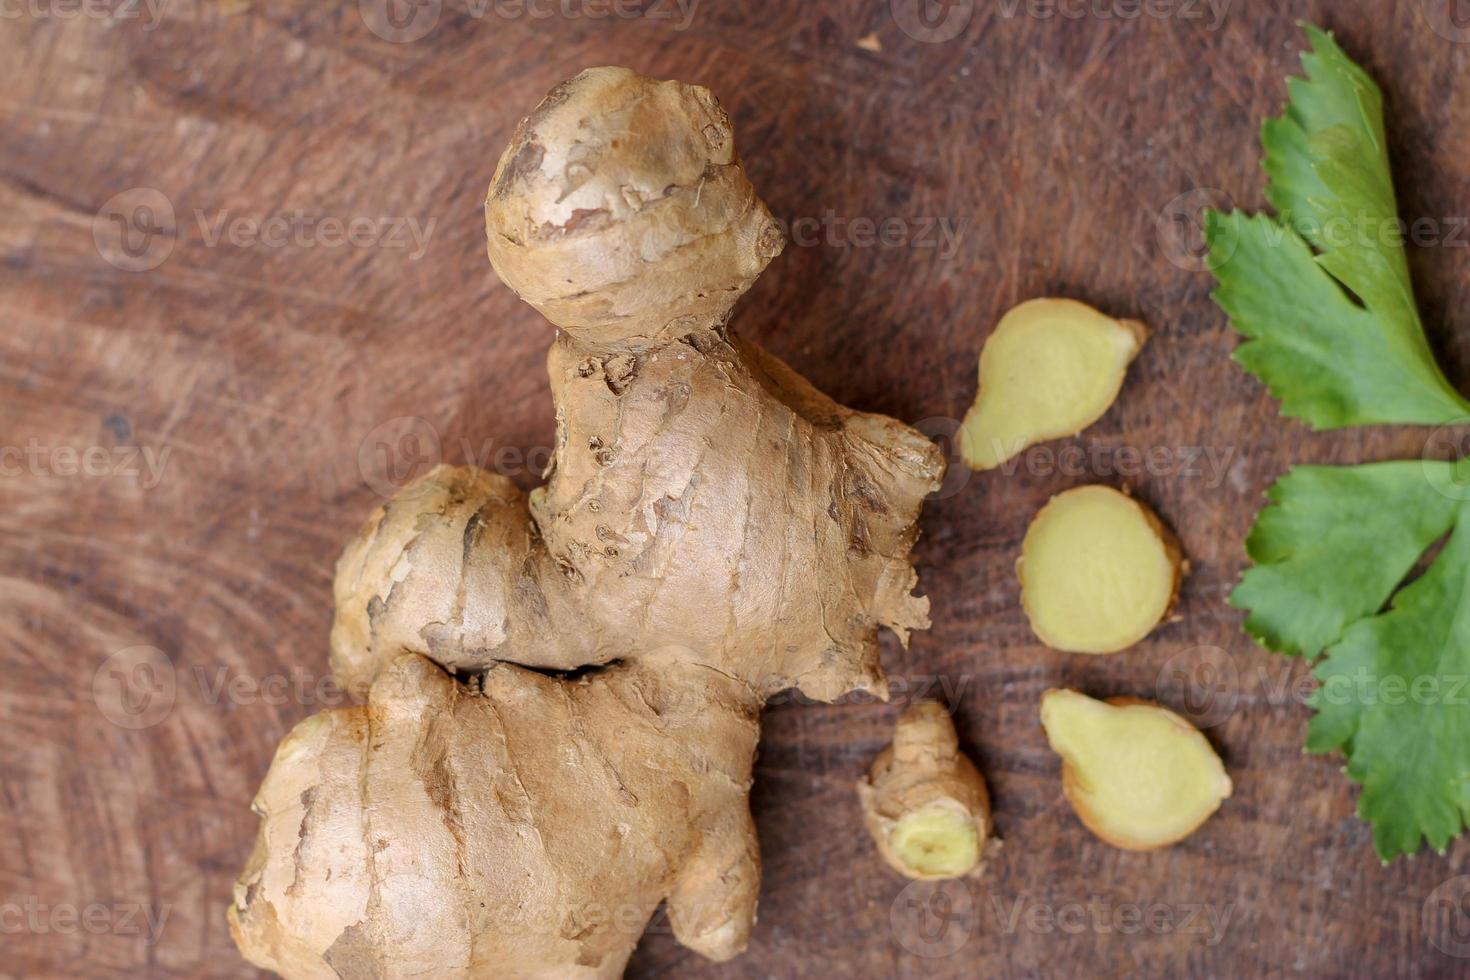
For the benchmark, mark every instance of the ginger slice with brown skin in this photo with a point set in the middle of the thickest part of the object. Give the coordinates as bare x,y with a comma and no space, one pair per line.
1050,369
1138,775
1098,571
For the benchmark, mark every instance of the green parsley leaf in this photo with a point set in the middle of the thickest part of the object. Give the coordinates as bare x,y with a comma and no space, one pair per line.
1394,686
1335,544
1323,297
1323,294
1395,696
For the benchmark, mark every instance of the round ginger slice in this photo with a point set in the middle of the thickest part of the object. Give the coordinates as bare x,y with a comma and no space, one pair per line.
924,802
1050,369
1098,571
1138,776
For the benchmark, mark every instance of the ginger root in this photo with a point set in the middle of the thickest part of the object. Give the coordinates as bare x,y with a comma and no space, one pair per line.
529,829
1098,571
702,496
924,802
562,688
1050,369
1138,776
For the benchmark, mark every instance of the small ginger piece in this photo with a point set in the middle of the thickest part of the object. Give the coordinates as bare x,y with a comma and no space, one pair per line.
1138,776
1050,369
1098,571
925,804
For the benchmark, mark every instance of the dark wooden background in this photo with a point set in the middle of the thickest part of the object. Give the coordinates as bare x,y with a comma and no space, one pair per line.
264,374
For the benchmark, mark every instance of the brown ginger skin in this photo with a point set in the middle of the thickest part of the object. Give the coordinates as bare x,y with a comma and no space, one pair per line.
705,501
621,212
712,530
924,772
528,832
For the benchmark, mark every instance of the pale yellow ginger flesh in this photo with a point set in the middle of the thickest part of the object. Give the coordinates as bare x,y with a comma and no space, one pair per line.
1138,776
924,802
936,841
1050,369
1098,571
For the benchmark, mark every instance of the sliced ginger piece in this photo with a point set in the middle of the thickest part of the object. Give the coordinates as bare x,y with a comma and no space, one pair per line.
939,840
925,804
1138,776
1050,369
1098,571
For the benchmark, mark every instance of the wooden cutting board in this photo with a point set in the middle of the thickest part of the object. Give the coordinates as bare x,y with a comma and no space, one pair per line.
223,380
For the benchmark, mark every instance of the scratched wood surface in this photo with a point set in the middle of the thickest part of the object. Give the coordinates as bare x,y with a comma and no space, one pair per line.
244,291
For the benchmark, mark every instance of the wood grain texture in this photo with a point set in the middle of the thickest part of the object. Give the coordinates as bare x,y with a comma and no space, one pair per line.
263,373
